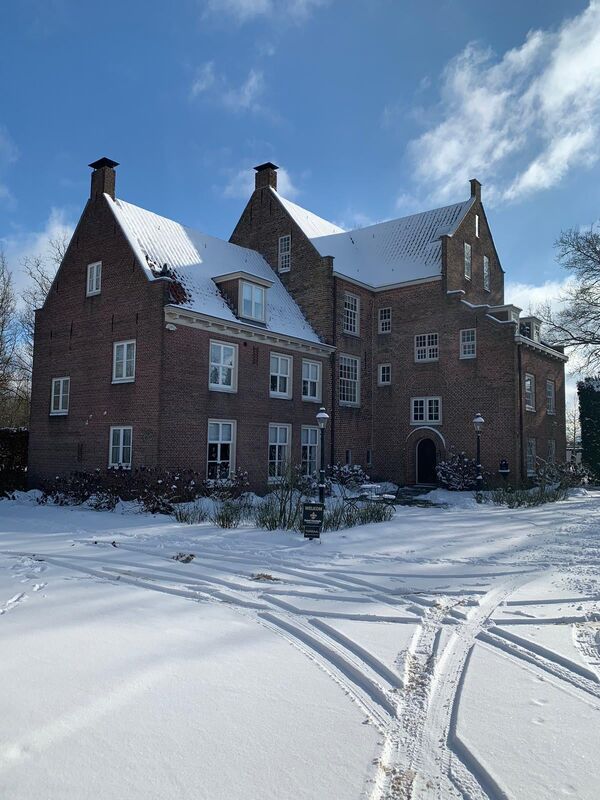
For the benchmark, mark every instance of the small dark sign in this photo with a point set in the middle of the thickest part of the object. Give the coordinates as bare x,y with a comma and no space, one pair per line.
312,520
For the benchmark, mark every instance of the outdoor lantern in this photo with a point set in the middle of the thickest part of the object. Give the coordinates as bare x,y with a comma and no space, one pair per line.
478,421
322,418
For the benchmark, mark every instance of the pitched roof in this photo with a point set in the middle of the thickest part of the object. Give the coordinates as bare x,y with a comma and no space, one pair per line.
388,253
195,259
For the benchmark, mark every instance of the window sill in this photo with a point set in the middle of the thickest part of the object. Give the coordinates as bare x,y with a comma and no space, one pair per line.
121,467
530,408
426,360
311,399
551,413
93,294
426,422
467,358
283,269
346,404
123,380
351,333
383,385
274,396
59,413
214,388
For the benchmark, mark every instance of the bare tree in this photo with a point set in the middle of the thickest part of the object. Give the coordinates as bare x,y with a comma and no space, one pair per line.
577,324
573,426
13,404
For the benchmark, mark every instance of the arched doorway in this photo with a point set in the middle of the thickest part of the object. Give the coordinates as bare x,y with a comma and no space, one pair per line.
426,461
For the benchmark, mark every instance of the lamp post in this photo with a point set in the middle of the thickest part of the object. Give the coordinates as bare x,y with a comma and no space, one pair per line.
478,421
322,420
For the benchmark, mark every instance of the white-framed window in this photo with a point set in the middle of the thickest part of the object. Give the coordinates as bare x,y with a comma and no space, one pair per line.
349,375
59,402
220,453
468,343
426,410
222,372
384,376
529,392
279,449
120,447
252,301
284,253
311,381
427,347
486,274
535,331
281,376
351,322
550,397
94,278
468,262
124,362
477,225
385,320
551,451
310,450
349,457
530,456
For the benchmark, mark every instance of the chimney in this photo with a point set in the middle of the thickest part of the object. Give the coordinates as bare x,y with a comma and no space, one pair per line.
103,177
475,189
266,175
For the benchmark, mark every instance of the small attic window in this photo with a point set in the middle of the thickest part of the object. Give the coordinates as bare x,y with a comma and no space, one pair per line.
477,225
252,301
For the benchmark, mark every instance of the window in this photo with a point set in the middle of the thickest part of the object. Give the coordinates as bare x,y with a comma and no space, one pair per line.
468,343
281,376
477,225
551,451
311,381
529,392
351,312
535,331
253,301
222,376
94,278
279,445
468,264
349,457
284,259
530,457
119,456
486,273
220,458
59,404
124,362
426,409
385,375
550,397
369,458
385,320
310,449
426,347
349,381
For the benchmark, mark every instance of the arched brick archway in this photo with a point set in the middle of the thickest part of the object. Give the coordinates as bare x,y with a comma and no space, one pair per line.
412,443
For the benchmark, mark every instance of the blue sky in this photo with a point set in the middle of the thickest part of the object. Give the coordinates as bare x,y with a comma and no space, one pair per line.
373,108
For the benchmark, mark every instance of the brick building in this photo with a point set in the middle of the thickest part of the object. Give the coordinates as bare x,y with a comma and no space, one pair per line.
159,345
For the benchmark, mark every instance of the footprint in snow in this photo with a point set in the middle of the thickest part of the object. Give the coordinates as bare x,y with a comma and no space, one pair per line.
38,586
13,602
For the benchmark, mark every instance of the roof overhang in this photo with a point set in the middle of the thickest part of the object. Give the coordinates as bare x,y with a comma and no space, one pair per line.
387,286
241,275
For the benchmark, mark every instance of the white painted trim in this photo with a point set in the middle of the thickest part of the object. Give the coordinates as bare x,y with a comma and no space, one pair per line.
427,346
244,276
426,398
121,428
124,343
277,478
348,403
290,376
90,267
253,285
379,310
519,339
318,456
232,459
379,370
61,412
217,387
426,428
318,398
469,356
387,286
356,312
241,330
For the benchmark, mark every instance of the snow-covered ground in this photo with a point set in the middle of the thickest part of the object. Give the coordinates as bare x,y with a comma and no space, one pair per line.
449,653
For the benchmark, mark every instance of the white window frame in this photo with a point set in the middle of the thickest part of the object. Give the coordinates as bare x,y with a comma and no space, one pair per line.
120,464
63,408
280,463
385,322
125,378
551,451
468,345
312,432
254,289
319,381
94,279
221,387
428,417
284,253
529,395
351,320
287,395
232,446
427,347
468,259
486,274
535,331
550,396
354,360
530,456
381,380
477,225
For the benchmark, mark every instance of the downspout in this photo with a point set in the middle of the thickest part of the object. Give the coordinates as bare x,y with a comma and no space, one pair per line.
521,424
333,382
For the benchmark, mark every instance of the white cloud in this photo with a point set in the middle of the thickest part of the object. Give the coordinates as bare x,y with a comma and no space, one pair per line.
205,79
245,97
529,296
520,122
8,154
247,10
241,184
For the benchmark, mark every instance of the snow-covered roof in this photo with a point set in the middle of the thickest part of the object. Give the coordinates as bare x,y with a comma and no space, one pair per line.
388,253
194,259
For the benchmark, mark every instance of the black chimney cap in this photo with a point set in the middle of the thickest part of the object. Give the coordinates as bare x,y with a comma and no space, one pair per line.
103,162
267,165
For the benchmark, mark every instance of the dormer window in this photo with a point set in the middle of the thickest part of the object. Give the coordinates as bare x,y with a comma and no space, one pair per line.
252,305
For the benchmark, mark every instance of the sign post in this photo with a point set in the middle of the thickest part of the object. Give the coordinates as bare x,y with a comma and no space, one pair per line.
312,520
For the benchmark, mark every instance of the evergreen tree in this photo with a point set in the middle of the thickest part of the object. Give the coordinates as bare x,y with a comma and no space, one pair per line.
588,391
